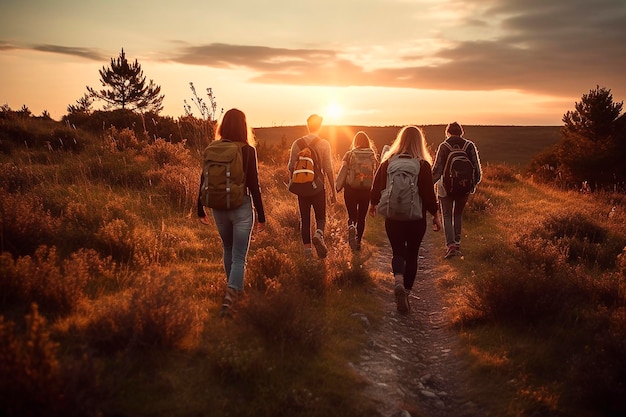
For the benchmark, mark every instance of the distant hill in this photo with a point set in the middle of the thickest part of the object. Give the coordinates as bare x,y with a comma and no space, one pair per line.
515,145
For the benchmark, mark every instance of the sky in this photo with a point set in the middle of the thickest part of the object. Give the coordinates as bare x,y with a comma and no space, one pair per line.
355,62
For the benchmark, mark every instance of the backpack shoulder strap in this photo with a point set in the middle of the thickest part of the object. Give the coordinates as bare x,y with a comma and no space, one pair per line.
314,141
301,143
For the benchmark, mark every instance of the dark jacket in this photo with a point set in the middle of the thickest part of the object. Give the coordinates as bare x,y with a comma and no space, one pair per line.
424,187
442,156
251,171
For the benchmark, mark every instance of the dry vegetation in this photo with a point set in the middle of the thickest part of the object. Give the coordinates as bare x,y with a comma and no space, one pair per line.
109,290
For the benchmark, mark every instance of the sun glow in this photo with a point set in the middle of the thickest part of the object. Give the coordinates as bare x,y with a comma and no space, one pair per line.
334,112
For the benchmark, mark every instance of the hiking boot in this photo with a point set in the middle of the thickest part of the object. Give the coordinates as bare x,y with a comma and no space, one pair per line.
227,304
450,252
407,293
402,303
352,236
320,246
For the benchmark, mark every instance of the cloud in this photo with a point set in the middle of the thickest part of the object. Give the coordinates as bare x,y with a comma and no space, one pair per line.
87,53
561,47
6,46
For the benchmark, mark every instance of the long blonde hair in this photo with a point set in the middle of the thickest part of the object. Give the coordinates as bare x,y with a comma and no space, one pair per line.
410,140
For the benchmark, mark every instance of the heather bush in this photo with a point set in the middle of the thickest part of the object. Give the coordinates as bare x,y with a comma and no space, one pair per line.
30,372
57,286
582,239
25,224
155,312
499,173
163,313
267,267
286,317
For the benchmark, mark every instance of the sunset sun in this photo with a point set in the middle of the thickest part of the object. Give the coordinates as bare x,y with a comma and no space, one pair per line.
334,112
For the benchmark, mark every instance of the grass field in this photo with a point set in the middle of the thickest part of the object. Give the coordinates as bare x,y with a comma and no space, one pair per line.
110,287
513,145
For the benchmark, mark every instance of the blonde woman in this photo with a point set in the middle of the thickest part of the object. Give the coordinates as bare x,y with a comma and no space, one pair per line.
405,236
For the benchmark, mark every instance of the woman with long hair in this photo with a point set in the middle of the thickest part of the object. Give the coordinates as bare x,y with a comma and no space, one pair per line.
405,236
235,225
356,176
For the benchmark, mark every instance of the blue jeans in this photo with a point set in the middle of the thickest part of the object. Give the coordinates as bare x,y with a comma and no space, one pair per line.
452,213
235,229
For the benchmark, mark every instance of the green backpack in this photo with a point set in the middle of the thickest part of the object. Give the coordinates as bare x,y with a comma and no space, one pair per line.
224,182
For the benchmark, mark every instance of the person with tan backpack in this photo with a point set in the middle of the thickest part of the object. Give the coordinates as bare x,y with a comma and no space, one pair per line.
229,186
355,177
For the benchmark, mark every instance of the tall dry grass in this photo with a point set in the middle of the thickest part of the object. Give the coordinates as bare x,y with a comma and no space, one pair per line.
105,244
544,271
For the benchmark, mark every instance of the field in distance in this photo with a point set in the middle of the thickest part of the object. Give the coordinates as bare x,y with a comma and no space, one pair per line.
514,145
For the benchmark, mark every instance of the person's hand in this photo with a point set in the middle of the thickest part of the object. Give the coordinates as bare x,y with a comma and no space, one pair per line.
205,220
436,223
373,210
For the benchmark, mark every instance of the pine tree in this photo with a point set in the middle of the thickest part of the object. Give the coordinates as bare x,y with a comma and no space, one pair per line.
591,148
125,87
83,105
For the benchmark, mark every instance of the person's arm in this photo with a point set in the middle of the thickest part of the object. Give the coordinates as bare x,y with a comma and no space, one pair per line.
328,167
293,155
379,184
438,166
252,182
478,172
426,189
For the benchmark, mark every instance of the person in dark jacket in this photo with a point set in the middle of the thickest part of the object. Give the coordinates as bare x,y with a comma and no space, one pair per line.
452,206
406,237
235,225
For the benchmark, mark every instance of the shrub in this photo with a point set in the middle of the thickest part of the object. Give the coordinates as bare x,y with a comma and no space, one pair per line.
286,318
25,224
266,267
30,373
154,313
163,314
40,278
582,239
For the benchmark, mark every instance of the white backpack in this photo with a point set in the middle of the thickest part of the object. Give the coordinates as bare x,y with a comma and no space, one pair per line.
400,200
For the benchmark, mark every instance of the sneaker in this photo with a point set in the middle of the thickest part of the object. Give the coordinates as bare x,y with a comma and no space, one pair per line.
320,246
228,302
402,303
308,252
352,236
450,252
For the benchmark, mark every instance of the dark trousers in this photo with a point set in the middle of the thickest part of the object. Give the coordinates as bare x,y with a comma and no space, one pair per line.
452,213
405,239
357,204
318,203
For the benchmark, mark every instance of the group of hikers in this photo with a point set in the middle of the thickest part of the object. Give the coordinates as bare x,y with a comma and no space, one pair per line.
402,185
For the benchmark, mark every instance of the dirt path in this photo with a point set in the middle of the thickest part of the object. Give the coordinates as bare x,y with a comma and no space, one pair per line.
411,362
